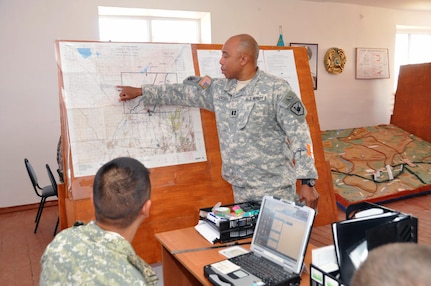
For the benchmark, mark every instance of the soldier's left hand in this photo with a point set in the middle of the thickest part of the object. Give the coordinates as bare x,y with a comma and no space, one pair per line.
309,195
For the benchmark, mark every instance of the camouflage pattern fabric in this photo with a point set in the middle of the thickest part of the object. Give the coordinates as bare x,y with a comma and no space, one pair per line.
244,195
265,140
88,255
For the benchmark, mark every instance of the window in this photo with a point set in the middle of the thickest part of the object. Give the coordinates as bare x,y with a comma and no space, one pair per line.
123,29
149,25
412,46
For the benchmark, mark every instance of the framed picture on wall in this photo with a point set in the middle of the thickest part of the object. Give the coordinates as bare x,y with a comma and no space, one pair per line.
372,63
312,51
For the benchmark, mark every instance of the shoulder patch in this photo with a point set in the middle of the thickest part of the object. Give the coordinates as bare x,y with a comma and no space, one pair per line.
297,108
205,82
197,81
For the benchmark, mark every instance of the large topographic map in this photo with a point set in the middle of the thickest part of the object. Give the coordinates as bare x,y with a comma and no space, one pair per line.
102,128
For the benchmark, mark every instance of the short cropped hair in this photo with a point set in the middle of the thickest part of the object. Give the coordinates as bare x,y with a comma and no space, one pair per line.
120,189
249,45
402,263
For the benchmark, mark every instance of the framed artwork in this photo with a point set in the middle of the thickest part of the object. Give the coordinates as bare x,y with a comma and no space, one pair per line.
372,63
312,51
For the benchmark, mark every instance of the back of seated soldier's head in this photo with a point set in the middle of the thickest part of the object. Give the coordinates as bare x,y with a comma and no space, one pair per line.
395,264
121,188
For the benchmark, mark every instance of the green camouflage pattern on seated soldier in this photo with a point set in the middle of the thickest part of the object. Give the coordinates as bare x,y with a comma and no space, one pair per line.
265,140
88,255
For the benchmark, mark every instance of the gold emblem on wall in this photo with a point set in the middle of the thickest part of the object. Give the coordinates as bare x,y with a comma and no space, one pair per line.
334,60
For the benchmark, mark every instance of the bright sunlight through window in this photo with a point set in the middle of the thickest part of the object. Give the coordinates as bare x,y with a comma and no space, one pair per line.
412,46
149,25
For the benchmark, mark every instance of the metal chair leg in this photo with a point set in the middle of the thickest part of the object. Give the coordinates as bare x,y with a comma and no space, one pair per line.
42,204
56,226
39,210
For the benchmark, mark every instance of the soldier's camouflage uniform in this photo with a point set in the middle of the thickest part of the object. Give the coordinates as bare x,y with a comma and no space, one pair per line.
88,255
265,140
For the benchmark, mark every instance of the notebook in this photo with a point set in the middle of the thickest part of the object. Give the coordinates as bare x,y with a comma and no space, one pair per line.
280,241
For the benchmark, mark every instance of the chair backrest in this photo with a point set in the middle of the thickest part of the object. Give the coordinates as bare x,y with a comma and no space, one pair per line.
52,179
32,175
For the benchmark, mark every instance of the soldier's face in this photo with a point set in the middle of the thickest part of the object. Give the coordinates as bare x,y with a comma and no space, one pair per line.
230,60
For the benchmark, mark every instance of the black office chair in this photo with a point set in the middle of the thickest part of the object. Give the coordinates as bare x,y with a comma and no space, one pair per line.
43,193
54,186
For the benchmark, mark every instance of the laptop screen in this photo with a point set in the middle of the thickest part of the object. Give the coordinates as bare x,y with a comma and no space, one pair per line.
282,232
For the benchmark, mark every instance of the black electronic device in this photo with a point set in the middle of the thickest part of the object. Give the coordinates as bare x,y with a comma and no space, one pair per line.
356,236
234,228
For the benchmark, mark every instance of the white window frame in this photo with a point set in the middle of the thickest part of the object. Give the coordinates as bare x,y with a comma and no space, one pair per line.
203,19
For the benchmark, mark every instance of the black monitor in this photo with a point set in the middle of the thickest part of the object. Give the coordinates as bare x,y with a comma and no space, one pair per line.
354,237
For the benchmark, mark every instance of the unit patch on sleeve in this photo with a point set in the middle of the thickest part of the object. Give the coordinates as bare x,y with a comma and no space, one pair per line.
297,108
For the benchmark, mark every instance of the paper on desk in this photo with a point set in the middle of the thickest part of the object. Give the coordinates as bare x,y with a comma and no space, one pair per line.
225,267
208,232
325,258
233,251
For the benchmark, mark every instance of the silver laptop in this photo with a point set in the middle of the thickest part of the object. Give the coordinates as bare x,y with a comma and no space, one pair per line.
279,242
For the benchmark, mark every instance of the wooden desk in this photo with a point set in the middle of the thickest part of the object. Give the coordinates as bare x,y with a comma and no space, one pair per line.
187,268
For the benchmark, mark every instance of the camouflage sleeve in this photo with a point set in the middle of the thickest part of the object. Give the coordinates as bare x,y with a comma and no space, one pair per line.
291,114
193,92
87,255
145,269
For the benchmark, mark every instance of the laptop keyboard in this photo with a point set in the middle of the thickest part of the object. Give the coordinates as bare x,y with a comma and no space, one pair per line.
270,272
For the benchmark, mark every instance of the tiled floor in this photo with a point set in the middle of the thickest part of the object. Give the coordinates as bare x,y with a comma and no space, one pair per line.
20,248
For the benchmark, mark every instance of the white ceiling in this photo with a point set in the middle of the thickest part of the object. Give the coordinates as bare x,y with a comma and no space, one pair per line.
415,5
